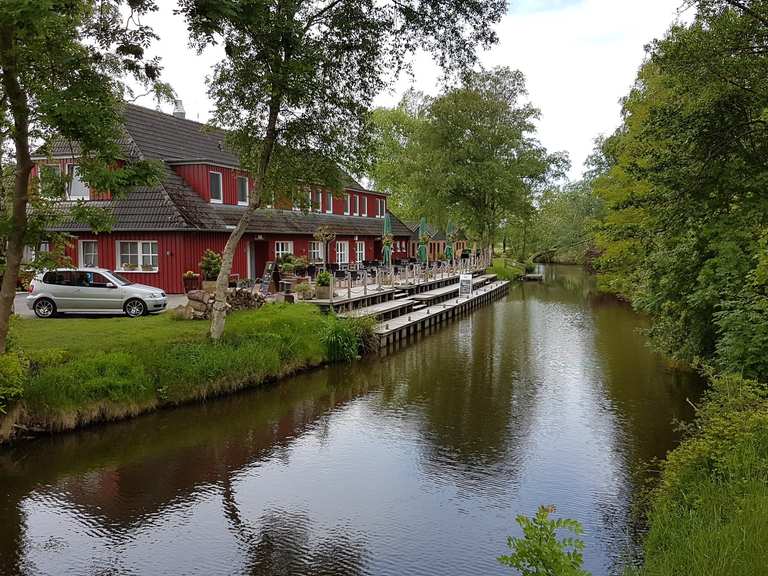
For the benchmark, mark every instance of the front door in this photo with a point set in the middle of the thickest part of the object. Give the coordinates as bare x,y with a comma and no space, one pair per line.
259,256
378,249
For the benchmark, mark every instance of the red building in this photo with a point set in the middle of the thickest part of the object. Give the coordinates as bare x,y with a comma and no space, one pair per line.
161,232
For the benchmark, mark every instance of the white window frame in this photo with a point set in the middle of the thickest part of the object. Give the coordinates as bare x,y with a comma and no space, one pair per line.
142,252
358,245
347,204
339,252
316,250
81,253
329,203
288,245
247,190
220,199
364,199
381,207
356,205
317,203
85,193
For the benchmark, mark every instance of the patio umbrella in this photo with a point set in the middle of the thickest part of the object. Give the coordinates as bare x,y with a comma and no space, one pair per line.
449,242
387,250
423,235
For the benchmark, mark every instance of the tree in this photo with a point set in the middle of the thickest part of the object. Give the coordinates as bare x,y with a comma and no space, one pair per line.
683,235
296,86
63,67
468,154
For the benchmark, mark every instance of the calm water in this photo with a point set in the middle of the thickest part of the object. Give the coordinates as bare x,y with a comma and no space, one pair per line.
413,463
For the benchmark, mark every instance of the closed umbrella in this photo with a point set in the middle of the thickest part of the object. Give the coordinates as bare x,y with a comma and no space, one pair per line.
423,238
387,241
449,242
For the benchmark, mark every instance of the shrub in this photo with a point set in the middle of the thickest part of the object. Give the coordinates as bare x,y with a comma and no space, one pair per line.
210,265
341,340
530,267
13,373
540,553
324,278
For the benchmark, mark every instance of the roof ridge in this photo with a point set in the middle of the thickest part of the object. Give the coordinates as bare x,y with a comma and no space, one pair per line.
185,119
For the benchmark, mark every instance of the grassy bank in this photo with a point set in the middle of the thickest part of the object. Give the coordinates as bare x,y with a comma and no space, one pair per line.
506,269
80,371
708,515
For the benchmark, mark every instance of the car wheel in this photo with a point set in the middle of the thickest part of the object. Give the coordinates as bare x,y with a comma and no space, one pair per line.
44,308
135,308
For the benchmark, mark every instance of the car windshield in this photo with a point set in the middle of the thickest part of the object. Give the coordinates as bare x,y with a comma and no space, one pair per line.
122,280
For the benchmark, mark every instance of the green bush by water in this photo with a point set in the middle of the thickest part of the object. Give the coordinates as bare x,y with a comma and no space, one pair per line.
708,515
83,370
506,269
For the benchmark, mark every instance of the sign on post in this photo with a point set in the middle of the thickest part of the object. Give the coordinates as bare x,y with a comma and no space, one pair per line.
465,285
267,278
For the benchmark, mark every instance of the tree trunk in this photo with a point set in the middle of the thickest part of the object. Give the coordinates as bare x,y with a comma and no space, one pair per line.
15,246
219,312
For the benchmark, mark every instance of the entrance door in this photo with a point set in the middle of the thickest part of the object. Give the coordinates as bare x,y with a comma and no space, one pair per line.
259,255
378,249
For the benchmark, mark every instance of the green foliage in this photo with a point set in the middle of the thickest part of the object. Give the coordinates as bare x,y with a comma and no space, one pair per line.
210,264
161,361
467,155
683,183
13,372
708,513
324,278
506,269
540,552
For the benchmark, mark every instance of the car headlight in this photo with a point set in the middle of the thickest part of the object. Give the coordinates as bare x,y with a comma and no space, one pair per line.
157,294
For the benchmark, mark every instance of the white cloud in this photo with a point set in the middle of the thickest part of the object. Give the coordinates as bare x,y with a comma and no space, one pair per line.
579,56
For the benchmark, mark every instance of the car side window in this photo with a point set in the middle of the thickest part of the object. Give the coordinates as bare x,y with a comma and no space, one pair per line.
80,279
96,280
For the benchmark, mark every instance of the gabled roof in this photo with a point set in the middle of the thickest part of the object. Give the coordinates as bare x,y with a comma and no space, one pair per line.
174,205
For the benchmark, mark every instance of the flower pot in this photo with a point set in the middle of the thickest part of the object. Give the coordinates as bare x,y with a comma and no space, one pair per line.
323,292
191,282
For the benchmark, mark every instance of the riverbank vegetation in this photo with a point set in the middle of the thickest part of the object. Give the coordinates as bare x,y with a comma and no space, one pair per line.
683,236
75,372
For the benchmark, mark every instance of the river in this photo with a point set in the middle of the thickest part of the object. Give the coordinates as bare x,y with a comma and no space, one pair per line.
416,462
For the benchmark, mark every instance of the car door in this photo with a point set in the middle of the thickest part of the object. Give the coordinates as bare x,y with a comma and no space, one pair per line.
60,284
97,294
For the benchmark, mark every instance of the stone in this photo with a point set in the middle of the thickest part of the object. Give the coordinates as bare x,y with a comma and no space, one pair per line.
198,296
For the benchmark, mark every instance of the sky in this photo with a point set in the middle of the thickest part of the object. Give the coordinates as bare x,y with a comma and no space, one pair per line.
579,58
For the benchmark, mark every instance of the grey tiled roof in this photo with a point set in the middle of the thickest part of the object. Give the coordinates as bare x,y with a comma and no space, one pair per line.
174,205
295,222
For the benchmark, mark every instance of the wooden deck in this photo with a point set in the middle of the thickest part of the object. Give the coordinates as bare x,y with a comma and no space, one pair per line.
383,310
402,327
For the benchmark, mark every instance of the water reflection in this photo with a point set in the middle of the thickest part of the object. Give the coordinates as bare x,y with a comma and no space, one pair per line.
416,462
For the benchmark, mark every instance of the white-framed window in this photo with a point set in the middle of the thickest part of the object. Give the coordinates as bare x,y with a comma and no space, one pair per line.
137,255
382,207
317,203
329,203
242,190
364,205
89,253
215,187
77,188
342,252
347,202
360,253
283,247
315,251
355,204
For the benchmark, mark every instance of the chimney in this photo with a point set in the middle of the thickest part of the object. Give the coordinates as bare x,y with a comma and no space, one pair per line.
178,109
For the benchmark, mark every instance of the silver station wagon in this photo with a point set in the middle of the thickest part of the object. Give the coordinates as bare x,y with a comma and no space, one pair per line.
91,290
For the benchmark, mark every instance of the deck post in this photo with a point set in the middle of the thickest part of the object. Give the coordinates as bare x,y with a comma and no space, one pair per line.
365,282
349,284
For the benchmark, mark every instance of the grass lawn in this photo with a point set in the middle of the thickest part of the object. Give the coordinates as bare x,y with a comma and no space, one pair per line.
82,370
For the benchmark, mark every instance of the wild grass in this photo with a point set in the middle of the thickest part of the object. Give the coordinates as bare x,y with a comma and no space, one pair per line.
506,269
708,516
86,370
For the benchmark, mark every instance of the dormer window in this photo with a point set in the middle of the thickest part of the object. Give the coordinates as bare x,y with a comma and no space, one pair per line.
242,190
214,183
329,203
356,204
346,203
77,188
382,207
364,205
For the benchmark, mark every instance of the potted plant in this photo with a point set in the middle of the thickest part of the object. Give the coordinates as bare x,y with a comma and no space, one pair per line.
191,281
300,265
210,265
323,290
130,267
147,268
304,290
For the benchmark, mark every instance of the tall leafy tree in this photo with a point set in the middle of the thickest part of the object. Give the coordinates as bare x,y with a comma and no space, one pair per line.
299,77
64,65
468,154
684,235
